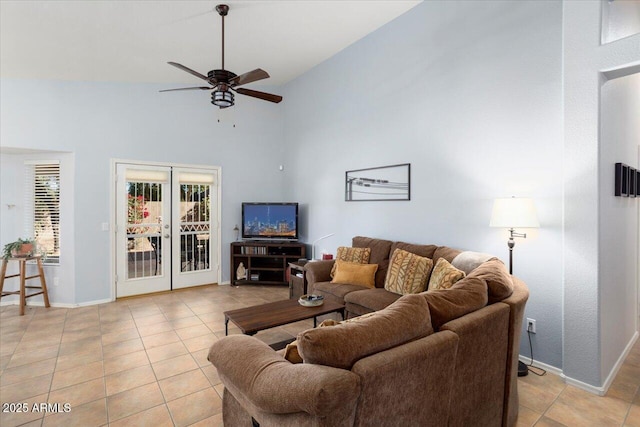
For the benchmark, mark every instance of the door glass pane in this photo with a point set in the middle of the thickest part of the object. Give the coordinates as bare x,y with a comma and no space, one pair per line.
144,229
195,205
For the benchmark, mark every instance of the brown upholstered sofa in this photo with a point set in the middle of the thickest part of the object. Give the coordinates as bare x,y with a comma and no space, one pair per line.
438,358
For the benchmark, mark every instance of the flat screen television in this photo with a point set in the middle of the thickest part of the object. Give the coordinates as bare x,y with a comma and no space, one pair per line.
270,221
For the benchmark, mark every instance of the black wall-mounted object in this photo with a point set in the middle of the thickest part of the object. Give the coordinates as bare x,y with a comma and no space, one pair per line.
627,181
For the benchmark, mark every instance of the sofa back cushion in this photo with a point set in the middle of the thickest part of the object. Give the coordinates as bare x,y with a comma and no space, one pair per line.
342,345
465,296
422,250
499,281
380,253
445,252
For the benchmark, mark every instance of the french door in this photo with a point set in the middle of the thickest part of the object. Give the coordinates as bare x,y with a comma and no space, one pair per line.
167,228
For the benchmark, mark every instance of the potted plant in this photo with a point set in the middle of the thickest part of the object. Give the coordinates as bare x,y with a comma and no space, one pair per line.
19,248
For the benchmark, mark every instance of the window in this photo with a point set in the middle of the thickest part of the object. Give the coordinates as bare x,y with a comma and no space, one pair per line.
42,207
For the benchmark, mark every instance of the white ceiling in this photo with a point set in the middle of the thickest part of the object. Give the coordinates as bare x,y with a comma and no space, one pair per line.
131,41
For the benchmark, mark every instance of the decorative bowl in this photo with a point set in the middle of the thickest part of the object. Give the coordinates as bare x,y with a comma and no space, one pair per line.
311,300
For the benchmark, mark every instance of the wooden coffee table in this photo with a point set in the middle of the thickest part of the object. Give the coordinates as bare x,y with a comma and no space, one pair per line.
259,317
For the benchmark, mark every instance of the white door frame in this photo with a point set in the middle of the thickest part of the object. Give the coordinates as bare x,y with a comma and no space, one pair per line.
111,225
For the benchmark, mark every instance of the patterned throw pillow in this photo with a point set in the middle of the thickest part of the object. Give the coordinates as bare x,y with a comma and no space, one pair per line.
359,255
407,273
444,275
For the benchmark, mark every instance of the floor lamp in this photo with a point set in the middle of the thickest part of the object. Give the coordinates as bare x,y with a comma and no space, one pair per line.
512,213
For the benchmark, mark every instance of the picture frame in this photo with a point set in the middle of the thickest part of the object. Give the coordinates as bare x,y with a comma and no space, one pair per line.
382,183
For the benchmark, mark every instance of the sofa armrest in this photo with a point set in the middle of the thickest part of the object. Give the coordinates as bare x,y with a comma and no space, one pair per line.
252,370
318,271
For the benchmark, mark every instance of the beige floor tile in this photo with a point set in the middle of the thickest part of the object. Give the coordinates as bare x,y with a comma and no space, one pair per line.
119,336
85,345
633,417
211,373
125,362
160,339
183,384
42,353
121,348
86,415
77,375
167,351
527,417
157,416
25,389
132,401
22,413
28,371
193,331
201,342
155,328
548,422
219,388
174,366
129,379
575,406
149,319
185,322
195,407
213,421
536,397
73,360
79,394
117,325
200,357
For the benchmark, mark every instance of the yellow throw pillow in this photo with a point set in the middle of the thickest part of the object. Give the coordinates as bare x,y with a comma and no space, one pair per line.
444,275
358,255
407,273
352,273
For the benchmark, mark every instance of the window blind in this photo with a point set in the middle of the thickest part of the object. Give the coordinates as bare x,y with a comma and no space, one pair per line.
42,207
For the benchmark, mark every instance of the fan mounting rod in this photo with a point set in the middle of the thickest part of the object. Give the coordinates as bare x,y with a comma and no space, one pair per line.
223,10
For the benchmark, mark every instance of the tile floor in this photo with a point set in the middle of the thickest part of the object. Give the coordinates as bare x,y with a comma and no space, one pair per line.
142,361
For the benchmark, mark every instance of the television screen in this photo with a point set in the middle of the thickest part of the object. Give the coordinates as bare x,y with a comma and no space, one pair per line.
278,221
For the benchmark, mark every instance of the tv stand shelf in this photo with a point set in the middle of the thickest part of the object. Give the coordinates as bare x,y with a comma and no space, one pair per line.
265,262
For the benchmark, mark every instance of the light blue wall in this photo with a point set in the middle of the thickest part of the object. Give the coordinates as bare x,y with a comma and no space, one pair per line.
103,121
470,94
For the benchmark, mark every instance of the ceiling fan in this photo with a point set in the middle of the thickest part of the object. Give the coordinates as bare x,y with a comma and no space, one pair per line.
223,82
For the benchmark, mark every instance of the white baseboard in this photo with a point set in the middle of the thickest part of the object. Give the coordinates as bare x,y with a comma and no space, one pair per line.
599,390
536,364
58,304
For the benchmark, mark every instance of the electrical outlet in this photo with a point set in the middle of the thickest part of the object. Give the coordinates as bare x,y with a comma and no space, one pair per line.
531,325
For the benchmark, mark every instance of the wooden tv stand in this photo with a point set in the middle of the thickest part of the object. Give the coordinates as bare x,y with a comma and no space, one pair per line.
265,262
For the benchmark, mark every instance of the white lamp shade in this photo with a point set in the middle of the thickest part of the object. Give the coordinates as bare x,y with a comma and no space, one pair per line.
514,212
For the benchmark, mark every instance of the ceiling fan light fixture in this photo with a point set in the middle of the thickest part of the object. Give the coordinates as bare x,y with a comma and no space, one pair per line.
222,98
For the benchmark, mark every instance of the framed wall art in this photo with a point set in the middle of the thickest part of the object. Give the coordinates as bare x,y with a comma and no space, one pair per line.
380,183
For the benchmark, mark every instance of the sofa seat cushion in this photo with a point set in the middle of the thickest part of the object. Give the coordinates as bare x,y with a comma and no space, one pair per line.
335,291
465,296
408,273
499,281
342,345
361,302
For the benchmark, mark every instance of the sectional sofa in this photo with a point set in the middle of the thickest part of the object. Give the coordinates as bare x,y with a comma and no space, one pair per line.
437,358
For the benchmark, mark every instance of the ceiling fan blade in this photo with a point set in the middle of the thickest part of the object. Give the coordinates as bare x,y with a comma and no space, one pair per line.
189,70
251,76
188,88
260,95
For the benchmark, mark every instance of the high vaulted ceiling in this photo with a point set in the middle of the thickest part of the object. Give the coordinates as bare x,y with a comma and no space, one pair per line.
131,41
